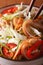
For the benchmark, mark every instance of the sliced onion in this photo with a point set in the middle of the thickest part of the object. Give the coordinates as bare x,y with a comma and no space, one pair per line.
17,35
13,40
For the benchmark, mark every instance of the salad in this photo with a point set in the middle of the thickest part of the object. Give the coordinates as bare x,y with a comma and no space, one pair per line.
21,37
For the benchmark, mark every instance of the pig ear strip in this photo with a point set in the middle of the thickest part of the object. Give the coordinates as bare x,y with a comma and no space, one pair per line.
37,25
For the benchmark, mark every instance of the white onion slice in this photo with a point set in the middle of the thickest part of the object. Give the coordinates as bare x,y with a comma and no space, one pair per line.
13,40
17,35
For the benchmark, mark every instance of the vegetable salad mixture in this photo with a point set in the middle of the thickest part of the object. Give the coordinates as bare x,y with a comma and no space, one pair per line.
21,37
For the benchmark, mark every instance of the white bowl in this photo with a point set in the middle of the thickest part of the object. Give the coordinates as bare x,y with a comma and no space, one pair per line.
4,61
32,62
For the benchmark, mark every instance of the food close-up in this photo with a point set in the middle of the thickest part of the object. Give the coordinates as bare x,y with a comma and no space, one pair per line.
21,32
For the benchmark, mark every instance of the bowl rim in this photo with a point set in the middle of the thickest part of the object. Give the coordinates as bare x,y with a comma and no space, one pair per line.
22,60
15,4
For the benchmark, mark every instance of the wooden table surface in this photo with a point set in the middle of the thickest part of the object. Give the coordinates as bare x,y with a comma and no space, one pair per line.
9,2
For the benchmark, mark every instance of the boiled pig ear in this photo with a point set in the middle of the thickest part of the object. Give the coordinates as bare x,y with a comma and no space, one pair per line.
31,28
37,25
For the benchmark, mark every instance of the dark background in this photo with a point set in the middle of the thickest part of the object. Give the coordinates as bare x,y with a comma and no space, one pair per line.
9,2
